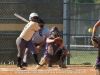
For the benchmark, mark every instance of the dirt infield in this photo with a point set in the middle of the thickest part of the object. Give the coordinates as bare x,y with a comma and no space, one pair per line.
71,70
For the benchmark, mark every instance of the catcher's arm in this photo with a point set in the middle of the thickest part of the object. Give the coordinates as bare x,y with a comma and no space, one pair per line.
48,40
57,40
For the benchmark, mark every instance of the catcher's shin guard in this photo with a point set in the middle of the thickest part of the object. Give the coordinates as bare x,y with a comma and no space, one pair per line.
62,59
61,64
43,62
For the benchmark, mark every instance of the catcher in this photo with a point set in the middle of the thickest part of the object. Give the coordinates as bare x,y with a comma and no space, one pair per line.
55,51
96,43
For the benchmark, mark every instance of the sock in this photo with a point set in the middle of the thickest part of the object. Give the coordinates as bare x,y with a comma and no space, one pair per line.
19,61
36,58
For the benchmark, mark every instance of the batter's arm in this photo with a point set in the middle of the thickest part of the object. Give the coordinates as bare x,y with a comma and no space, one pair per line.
95,28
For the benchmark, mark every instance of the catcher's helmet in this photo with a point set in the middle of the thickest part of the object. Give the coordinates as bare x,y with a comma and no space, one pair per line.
33,15
54,28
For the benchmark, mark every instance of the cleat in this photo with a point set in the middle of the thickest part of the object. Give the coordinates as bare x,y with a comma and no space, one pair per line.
49,65
21,68
18,65
24,64
62,66
38,66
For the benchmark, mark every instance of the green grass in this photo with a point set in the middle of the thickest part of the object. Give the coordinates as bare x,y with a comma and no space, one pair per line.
83,57
78,57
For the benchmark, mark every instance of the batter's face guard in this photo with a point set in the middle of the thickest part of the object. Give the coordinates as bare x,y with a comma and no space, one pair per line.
35,19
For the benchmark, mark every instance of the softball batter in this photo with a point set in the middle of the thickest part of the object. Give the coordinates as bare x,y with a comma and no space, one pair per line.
24,40
38,39
96,26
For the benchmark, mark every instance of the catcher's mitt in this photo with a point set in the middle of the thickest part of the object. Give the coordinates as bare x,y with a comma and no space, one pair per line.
58,40
95,42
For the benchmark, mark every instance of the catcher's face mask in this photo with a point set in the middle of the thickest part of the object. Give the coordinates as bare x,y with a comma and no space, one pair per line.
55,33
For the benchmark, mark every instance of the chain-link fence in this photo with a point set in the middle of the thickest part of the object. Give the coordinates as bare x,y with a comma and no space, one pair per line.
10,26
83,17
72,19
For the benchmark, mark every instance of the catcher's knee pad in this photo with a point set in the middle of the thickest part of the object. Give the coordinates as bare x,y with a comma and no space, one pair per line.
64,52
62,59
63,55
61,64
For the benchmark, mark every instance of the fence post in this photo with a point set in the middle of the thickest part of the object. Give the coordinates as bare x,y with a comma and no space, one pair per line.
64,23
68,29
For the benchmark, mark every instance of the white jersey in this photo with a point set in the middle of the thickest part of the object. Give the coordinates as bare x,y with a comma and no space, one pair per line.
37,39
29,30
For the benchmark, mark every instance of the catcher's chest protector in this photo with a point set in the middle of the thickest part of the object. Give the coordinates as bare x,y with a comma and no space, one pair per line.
52,48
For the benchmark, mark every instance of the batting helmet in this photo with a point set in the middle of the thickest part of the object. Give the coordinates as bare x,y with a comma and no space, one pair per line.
33,15
54,28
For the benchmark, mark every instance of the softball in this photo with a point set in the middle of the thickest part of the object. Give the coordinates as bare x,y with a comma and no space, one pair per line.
90,30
